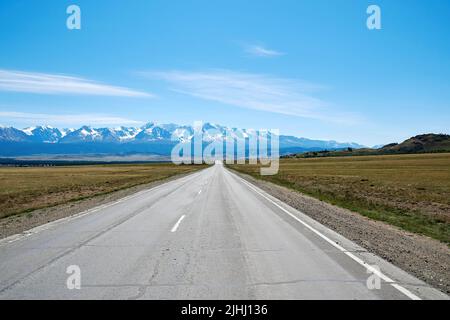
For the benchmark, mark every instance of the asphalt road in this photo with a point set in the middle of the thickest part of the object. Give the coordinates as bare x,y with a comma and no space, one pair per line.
209,235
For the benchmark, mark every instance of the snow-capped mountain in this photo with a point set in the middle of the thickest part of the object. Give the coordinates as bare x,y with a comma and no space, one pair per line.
13,135
46,134
89,134
152,132
148,138
290,141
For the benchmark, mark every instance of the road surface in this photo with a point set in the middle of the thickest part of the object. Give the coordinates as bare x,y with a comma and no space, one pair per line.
209,235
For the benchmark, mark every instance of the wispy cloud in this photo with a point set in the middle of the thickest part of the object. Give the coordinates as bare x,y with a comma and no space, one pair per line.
44,83
254,91
66,119
260,51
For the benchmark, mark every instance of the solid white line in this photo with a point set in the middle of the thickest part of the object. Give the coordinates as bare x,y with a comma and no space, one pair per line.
406,292
175,227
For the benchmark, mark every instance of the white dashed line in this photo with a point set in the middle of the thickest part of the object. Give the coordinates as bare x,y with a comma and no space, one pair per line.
175,227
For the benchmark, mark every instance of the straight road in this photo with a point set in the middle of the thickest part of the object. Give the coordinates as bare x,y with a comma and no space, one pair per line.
209,235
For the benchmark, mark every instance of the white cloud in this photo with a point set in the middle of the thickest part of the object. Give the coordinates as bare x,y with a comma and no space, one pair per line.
67,119
260,51
254,91
43,83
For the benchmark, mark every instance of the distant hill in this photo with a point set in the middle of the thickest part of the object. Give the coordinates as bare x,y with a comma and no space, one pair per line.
419,144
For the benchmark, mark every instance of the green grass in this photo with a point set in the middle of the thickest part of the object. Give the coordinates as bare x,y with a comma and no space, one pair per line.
23,190
408,191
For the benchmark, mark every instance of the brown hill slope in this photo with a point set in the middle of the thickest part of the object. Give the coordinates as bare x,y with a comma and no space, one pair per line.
419,144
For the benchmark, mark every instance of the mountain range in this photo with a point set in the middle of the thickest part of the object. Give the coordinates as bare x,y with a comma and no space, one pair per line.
151,138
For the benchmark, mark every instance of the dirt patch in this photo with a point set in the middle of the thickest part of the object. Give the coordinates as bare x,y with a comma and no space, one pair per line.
425,258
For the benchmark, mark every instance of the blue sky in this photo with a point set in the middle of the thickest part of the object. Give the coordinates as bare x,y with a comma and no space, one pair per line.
308,68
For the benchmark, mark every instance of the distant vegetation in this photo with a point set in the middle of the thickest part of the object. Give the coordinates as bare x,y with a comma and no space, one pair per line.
426,143
409,191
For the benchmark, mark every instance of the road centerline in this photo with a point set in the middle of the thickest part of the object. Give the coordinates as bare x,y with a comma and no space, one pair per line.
175,227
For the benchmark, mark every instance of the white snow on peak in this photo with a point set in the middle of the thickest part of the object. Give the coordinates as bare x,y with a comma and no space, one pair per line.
29,131
65,132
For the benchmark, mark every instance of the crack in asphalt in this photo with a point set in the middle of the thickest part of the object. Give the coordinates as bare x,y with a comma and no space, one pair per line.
142,289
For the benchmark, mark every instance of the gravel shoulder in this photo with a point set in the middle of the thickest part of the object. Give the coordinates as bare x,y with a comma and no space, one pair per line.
22,222
423,257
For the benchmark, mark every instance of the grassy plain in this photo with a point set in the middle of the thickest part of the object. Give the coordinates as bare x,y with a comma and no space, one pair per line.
23,189
409,191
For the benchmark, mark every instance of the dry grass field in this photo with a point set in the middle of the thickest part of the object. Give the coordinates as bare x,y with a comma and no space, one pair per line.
26,189
408,191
